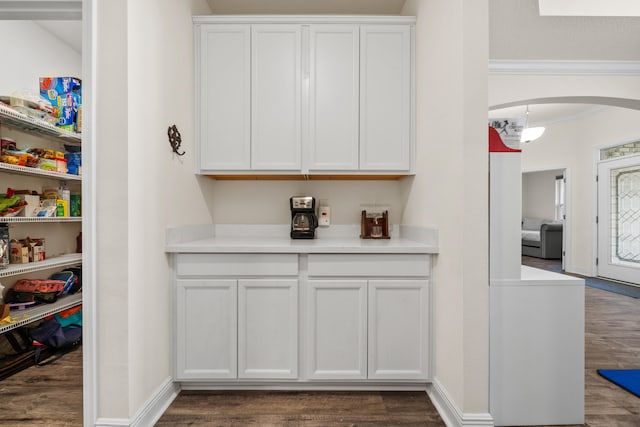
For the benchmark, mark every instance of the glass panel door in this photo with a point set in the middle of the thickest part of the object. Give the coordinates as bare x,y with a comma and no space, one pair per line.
619,219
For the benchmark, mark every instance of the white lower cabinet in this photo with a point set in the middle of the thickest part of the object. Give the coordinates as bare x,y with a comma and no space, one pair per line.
268,328
367,329
398,329
206,320
336,344
352,318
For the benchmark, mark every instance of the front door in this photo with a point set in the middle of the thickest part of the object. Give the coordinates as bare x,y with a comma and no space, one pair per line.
619,219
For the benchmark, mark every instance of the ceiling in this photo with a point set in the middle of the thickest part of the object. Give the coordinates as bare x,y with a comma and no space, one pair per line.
548,114
70,32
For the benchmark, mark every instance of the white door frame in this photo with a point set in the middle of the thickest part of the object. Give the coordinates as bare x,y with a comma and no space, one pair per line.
89,262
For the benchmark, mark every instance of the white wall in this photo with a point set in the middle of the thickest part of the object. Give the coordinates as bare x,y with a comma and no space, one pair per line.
267,202
144,84
450,189
539,194
29,52
573,145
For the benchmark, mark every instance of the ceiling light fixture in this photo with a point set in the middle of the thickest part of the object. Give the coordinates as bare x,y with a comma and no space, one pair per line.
530,134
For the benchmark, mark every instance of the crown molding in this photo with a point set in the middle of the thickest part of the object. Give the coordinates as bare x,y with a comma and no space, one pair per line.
564,67
35,10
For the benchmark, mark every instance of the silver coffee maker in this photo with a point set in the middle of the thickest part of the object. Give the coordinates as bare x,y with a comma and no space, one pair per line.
304,220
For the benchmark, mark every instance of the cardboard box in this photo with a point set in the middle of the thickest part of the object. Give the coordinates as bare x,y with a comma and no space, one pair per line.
65,96
4,311
32,207
19,252
36,248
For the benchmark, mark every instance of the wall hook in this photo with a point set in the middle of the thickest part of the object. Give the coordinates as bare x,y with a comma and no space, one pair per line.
175,139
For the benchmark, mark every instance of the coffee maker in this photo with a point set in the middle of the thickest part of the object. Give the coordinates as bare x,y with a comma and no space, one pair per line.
303,217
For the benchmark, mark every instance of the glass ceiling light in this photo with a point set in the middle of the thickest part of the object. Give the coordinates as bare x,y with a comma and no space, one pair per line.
530,134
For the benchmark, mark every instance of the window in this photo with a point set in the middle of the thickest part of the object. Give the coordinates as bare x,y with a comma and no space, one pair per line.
559,198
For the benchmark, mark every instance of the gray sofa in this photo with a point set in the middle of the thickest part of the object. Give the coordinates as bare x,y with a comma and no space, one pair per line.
541,238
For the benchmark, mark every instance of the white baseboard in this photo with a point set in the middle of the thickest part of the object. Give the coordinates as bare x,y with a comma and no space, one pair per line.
150,412
449,411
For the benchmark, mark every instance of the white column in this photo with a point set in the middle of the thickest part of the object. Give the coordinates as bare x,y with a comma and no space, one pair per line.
505,209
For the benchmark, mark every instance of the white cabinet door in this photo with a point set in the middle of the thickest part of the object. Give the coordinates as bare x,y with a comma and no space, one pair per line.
333,97
206,329
276,97
385,97
223,97
336,342
398,329
268,328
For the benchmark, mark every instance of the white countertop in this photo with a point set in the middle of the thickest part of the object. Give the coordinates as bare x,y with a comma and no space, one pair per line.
275,239
530,276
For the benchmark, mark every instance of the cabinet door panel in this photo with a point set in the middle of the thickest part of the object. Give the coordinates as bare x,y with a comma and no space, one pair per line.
268,328
398,329
224,97
276,97
337,329
385,98
206,329
334,97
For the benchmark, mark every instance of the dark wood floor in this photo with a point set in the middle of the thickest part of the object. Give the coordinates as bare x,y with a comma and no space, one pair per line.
36,396
278,408
49,395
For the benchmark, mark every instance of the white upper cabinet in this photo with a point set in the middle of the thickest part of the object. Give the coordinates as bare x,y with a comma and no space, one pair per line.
385,97
334,76
304,95
276,97
223,97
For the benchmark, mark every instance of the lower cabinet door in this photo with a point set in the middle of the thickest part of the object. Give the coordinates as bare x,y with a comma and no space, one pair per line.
398,329
206,322
268,328
336,342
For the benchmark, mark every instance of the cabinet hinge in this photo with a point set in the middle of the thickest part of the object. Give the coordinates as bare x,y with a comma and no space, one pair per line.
596,261
596,219
596,178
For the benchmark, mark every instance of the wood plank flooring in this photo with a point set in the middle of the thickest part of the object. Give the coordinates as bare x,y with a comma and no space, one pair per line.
51,395
283,408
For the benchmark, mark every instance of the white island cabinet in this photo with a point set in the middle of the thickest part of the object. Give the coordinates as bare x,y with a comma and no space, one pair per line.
304,95
268,311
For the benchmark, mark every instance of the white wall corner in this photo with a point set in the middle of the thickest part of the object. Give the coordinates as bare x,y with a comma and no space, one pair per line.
451,413
151,411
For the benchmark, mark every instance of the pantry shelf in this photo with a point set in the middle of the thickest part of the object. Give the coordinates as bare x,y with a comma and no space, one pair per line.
33,219
26,316
13,118
66,260
24,170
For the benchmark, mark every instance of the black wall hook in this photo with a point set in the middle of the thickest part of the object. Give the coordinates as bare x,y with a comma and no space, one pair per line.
175,139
